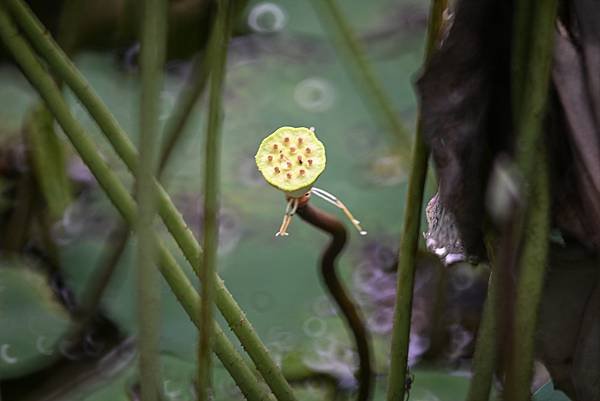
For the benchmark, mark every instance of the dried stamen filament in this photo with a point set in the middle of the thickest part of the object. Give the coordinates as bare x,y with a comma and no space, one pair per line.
290,209
338,203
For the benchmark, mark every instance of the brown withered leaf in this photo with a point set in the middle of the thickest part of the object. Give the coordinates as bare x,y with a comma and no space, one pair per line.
575,86
464,111
568,338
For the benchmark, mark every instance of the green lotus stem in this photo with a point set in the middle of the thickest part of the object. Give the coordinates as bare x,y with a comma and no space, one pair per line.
532,89
409,240
529,287
217,56
521,38
152,60
409,243
122,200
486,347
48,160
188,98
530,92
173,220
115,244
349,46
175,125
66,70
248,382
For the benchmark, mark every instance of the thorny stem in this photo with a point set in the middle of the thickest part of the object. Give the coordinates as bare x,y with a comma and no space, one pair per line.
173,220
530,93
503,302
152,57
337,231
66,70
119,196
172,133
409,240
486,347
46,156
533,88
217,57
532,268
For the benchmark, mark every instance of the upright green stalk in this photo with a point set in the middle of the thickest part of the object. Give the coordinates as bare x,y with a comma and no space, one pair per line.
217,58
153,41
173,220
121,199
48,160
406,271
521,45
410,240
250,385
186,101
484,359
530,94
332,16
531,91
532,268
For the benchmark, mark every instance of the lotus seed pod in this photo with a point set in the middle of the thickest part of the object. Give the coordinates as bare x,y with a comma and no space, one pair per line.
275,154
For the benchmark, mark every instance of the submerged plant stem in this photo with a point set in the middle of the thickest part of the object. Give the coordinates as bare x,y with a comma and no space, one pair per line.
173,220
332,16
207,271
186,101
115,245
409,240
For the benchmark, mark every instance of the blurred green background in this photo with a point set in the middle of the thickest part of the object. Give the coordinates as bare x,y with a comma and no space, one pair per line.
284,70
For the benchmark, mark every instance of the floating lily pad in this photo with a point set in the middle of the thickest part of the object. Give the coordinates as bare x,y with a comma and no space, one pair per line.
31,318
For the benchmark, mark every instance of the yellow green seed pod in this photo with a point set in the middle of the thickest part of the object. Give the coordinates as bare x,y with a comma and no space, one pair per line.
291,159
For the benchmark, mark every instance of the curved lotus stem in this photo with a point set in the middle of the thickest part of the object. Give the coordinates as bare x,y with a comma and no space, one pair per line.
290,209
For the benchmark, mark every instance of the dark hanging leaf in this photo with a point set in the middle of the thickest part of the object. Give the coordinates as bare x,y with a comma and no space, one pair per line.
464,110
466,120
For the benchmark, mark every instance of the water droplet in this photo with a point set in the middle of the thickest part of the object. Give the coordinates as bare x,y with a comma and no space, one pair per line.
41,344
314,94
314,327
267,18
5,355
